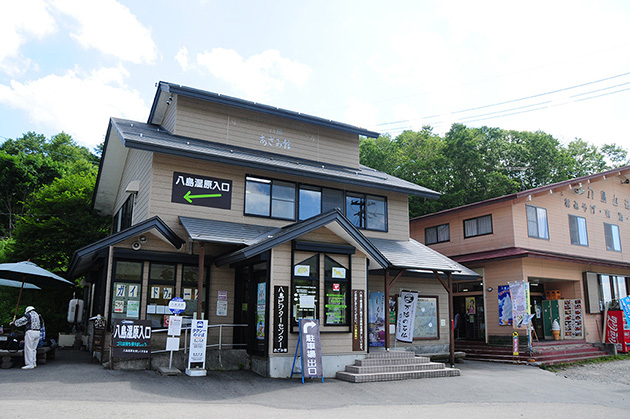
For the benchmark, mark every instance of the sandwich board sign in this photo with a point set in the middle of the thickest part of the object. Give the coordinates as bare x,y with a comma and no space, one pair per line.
310,349
197,352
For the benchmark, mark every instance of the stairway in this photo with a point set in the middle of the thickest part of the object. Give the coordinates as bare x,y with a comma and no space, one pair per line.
394,365
544,352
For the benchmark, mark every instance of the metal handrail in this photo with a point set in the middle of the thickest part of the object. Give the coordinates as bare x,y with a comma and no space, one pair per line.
187,328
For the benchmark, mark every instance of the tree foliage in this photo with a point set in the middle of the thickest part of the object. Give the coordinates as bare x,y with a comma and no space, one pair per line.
468,165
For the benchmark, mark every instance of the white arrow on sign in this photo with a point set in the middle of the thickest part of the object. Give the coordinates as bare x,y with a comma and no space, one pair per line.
307,325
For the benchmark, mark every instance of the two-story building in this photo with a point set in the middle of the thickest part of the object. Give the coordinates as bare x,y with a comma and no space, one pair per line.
568,241
259,216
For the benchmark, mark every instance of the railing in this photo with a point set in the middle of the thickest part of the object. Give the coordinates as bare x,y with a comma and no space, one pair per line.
220,344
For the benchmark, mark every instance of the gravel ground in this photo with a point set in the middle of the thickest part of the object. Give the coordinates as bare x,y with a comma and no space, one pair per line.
617,372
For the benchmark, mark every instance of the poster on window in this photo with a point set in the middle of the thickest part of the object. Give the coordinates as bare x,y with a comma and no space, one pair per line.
406,316
260,311
470,305
376,319
505,305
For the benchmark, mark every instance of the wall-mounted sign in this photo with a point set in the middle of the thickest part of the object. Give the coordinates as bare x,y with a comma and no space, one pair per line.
358,325
131,338
201,190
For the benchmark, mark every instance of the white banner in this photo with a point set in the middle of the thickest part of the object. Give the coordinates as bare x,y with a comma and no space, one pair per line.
198,341
406,316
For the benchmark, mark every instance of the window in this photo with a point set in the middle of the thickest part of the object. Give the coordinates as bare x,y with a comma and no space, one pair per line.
478,226
190,292
306,289
267,198
127,290
537,225
123,217
577,227
310,202
366,211
336,292
285,200
437,234
613,240
161,290
611,287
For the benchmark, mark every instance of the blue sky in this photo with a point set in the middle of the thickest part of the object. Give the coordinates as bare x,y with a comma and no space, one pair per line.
562,67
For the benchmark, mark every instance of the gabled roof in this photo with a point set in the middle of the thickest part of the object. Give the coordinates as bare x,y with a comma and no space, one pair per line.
154,138
83,258
383,253
622,172
165,90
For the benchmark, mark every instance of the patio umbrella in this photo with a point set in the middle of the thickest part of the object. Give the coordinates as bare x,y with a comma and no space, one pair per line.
29,273
17,284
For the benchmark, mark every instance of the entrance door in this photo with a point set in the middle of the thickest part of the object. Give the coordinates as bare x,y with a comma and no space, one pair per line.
469,317
538,320
251,307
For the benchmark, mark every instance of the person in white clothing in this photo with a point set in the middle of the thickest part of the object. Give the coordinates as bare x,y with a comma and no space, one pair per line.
32,321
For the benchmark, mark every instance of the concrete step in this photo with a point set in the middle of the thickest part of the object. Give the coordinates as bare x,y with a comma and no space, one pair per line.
356,369
393,376
392,361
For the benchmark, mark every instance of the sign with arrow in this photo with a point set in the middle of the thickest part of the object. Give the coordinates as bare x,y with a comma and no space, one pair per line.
202,191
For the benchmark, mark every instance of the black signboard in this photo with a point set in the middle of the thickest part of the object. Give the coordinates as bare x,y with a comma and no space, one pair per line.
311,349
280,320
131,338
201,191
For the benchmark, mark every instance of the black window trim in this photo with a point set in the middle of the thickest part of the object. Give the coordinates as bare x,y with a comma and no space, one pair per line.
477,218
437,236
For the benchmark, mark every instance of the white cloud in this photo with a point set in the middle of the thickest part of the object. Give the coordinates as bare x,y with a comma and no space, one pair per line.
111,28
76,103
182,58
361,114
21,20
256,75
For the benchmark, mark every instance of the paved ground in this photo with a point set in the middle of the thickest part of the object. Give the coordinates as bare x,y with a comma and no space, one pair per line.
71,387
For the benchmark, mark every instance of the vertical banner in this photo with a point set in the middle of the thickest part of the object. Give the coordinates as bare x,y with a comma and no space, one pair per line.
131,338
406,316
358,316
311,349
280,321
376,313
519,290
505,305
198,341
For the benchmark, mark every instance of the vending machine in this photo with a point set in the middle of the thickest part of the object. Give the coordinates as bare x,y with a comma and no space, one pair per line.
617,331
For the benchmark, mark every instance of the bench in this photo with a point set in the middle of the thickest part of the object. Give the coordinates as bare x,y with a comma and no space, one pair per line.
9,358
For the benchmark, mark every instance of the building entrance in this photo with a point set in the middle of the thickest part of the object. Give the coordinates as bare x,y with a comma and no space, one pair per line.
251,308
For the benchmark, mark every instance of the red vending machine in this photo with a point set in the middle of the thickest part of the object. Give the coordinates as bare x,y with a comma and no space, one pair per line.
617,331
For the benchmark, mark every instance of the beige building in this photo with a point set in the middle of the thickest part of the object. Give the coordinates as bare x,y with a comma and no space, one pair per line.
258,216
567,240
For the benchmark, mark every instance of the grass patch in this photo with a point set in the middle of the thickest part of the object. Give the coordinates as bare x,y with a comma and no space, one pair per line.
564,366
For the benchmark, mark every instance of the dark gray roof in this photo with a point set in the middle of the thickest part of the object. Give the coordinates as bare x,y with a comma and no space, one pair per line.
394,254
165,89
411,254
83,258
156,139
224,231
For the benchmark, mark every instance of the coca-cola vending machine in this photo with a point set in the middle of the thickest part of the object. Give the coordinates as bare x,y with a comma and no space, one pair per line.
617,331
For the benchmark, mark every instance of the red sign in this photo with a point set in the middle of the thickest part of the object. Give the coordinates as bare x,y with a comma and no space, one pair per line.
335,287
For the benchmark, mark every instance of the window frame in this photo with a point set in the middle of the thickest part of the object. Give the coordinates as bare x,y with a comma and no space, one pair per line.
609,232
115,280
476,219
437,234
578,241
162,283
124,216
536,222
270,197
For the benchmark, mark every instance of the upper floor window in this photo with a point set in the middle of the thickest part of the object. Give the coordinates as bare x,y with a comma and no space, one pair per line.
285,200
478,226
123,217
537,225
613,239
437,234
270,198
577,227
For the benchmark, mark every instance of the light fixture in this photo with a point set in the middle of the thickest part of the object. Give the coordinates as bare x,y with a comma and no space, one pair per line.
489,289
579,190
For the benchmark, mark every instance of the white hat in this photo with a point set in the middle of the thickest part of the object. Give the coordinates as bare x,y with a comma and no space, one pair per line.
29,308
